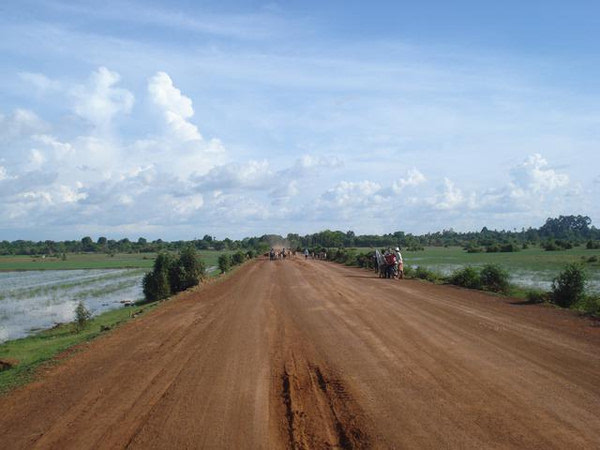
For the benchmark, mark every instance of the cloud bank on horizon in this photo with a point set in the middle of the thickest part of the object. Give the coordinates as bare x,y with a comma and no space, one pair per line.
129,120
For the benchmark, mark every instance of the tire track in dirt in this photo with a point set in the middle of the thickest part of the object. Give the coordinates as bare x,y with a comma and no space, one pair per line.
319,410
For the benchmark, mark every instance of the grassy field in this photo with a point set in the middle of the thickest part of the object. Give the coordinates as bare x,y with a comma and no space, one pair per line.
93,261
532,267
28,353
78,261
532,258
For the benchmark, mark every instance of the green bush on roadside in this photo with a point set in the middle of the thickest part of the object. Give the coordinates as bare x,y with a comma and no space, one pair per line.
238,258
224,262
425,274
467,277
490,278
589,305
537,296
365,260
409,271
568,288
494,278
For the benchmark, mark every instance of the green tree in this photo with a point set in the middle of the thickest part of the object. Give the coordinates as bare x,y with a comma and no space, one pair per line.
192,268
156,284
467,277
494,278
224,262
238,258
87,245
82,316
568,287
218,245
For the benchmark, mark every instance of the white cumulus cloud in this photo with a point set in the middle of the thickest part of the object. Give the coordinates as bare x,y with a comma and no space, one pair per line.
413,178
100,99
534,176
348,193
450,197
176,107
251,175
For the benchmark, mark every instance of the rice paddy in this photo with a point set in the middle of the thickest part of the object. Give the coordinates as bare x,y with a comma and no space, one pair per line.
35,300
529,268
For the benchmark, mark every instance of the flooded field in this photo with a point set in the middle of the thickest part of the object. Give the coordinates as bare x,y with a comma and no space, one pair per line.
526,269
535,279
31,301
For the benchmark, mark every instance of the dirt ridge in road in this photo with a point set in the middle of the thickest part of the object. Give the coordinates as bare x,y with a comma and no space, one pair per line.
319,410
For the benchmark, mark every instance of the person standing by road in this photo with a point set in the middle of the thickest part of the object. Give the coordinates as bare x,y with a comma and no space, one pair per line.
400,263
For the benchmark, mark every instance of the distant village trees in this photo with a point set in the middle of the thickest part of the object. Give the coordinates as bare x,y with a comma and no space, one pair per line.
555,234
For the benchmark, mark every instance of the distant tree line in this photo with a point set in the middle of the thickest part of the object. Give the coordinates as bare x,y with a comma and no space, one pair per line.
142,245
556,234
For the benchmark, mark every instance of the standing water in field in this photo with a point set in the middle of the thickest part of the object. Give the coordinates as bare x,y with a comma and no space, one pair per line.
529,279
31,301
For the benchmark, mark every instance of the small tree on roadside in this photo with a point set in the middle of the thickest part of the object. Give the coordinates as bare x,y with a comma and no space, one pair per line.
156,284
170,276
467,277
224,263
82,316
568,287
494,278
193,268
238,258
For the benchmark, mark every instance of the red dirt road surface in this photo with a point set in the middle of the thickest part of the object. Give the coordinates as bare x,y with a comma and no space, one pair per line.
309,354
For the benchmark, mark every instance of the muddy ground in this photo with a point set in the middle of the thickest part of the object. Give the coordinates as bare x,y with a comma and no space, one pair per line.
310,354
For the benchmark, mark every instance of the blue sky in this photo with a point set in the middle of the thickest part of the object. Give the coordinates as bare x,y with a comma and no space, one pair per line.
179,119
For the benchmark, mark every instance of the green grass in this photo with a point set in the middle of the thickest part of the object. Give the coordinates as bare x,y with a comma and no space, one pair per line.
94,261
78,261
211,258
32,351
532,258
533,263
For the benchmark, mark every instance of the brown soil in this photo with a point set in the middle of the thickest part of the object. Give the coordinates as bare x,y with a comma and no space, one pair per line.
6,364
309,354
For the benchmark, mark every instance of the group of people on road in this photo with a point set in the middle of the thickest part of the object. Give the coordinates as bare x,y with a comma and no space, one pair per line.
389,264
280,254
319,255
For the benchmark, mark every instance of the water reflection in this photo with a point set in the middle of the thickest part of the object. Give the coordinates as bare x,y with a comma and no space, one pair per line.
30,301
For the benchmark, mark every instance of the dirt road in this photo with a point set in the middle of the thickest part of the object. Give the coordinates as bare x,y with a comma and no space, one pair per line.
309,354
